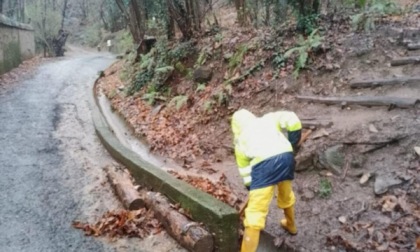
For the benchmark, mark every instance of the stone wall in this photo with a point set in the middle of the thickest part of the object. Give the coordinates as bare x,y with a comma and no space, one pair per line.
17,43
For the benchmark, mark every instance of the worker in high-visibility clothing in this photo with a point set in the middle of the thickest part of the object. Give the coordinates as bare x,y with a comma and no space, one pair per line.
265,159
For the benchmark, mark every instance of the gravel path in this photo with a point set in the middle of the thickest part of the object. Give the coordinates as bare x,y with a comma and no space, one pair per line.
51,162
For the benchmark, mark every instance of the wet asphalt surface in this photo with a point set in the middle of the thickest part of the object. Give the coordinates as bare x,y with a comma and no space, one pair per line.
51,162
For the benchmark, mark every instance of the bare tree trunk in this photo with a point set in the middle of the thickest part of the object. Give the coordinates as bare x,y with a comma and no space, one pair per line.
84,6
307,7
193,11
256,10
197,15
180,15
63,14
125,13
135,18
240,10
122,8
170,26
44,19
190,15
267,12
102,15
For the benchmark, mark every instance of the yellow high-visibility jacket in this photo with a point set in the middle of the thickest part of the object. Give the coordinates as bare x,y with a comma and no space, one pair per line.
259,138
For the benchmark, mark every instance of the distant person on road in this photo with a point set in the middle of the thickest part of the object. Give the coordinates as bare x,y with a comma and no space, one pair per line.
109,45
265,159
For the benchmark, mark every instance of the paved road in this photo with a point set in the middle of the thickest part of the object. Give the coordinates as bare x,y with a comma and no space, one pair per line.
51,162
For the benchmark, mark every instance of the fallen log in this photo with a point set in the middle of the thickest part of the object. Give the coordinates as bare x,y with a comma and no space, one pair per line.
390,140
413,46
316,124
191,235
405,61
385,82
368,146
312,118
250,71
363,100
124,188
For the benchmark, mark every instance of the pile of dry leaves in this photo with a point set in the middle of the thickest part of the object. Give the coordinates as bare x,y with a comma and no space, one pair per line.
21,71
139,223
168,131
219,190
399,229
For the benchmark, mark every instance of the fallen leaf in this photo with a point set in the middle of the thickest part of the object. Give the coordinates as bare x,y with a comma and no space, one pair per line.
340,240
218,190
383,247
283,73
139,223
402,203
342,219
78,225
175,206
365,178
278,241
370,231
389,202
372,128
417,150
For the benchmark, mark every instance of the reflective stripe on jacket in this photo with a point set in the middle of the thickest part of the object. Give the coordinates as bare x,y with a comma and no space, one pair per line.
257,139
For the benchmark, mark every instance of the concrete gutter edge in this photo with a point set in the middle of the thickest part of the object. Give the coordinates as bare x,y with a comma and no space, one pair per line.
221,219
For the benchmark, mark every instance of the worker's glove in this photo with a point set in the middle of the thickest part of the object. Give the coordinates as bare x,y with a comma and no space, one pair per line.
294,137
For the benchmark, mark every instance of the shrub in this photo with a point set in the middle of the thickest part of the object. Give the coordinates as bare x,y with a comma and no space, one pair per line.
303,49
371,10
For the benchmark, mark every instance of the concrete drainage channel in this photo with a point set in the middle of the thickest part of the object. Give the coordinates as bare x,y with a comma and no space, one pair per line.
220,219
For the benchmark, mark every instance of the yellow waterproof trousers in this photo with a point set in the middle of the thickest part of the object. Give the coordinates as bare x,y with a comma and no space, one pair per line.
259,203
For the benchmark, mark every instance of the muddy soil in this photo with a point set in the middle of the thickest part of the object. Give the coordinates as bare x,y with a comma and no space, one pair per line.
52,162
351,217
